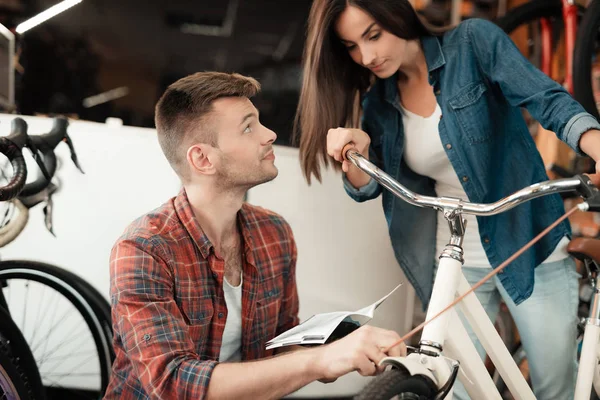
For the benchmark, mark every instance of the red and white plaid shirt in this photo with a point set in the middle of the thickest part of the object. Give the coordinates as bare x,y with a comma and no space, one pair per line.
168,306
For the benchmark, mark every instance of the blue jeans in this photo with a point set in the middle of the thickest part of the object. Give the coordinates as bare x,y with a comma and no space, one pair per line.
546,322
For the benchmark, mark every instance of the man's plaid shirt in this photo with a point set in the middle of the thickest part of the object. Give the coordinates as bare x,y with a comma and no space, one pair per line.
168,306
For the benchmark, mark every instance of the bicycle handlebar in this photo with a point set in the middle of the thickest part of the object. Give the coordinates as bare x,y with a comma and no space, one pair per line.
42,148
580,183
11,147
45,145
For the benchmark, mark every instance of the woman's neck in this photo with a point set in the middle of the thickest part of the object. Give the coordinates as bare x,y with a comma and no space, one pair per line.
415,66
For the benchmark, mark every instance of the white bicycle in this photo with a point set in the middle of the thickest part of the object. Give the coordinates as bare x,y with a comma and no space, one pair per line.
445,351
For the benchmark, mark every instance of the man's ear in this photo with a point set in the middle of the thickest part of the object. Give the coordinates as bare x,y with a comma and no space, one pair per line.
201,157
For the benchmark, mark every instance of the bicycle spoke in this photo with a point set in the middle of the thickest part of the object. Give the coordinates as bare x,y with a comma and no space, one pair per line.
46,342
59,335
58,358
25,307
31,340
68,373
58,346
44,314
71,374
60,322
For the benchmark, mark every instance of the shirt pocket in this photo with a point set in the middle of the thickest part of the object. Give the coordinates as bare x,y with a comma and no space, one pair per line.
199,333
472,111
197,310
268,307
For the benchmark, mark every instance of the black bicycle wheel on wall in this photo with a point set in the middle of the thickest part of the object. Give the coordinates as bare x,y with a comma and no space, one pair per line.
587,50
62,324
19,376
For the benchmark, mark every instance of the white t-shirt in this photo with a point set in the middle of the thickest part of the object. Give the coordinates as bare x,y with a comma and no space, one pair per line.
424,154
231,346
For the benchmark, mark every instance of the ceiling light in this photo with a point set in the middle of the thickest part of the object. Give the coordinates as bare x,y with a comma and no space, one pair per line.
46,15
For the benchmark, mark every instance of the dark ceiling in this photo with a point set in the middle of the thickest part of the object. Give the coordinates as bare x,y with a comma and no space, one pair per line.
186,36
144,45
141,46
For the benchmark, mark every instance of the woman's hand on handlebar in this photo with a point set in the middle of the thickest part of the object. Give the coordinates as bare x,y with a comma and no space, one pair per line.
337,138
595,178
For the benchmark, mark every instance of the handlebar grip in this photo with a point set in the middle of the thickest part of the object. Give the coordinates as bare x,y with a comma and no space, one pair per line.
348,147
13,152
18,132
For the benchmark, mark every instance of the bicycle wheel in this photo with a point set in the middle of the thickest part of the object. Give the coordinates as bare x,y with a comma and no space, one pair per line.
529,12
98,303
19,376
523,24
46,301
397,382
585,58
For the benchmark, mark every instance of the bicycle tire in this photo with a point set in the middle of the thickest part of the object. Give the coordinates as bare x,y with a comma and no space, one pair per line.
396,382
587,35
101,307
63,282
17,366
99,304
12,384
528,12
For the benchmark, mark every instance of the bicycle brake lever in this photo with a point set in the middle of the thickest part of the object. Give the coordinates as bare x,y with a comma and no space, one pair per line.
38,158
69,142
589,192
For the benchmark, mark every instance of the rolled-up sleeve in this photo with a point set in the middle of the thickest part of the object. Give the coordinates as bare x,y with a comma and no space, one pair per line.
364,193
577,126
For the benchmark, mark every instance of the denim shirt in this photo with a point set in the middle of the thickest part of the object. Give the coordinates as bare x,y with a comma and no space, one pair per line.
481,81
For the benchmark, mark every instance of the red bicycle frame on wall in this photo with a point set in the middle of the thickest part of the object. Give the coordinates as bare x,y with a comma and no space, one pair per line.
569,9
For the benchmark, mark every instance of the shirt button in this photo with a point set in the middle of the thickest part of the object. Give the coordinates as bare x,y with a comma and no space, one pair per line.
465,178
437,92
486,240
147,337
220,315
448,146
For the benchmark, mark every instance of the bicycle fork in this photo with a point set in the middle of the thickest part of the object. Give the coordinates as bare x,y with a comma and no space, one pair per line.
446,336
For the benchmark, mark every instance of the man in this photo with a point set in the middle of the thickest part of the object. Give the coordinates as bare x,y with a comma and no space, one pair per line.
201,283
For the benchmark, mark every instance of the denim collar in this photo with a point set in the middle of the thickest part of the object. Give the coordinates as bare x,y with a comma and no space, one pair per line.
434,58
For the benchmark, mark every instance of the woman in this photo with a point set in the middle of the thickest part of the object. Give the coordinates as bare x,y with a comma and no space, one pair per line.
441,114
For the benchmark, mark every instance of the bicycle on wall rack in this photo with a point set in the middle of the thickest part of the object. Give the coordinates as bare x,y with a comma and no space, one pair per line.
545,21
445,350
56,333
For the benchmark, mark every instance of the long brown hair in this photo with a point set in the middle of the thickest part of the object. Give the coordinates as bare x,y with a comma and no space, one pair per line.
332,82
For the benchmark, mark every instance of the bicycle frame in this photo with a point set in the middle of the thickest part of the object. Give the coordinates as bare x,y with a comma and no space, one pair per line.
445,350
